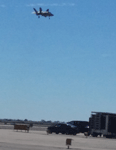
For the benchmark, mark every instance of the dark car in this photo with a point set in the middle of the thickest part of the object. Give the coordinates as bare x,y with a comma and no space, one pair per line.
82,126
62,128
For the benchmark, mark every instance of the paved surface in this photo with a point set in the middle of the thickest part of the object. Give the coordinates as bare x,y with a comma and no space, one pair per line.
39,140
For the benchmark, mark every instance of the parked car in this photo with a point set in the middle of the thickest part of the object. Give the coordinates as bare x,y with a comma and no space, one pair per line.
61,128
81,126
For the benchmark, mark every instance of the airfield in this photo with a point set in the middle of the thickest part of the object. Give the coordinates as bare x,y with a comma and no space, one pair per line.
37,139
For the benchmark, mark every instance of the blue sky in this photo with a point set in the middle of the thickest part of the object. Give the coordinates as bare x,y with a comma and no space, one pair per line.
60,68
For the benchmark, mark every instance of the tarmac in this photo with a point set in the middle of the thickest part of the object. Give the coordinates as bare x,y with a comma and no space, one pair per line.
39,140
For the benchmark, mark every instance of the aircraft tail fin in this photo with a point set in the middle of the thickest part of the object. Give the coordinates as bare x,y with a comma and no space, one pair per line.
40,9
47,10
35,11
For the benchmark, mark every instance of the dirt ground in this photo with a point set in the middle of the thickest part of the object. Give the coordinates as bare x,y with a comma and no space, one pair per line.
39,140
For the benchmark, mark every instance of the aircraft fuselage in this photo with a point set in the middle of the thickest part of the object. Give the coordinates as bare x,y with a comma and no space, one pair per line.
45,14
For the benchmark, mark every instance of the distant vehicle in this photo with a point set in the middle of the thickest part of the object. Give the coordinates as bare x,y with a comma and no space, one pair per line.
102,123
21,127
81,126
45,13
61,128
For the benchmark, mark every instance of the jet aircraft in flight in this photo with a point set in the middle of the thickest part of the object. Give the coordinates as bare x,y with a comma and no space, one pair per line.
43,13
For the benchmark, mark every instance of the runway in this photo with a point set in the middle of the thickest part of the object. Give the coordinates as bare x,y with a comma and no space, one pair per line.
39,140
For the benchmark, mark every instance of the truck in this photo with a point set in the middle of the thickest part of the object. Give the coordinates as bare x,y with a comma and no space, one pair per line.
81,126
102,123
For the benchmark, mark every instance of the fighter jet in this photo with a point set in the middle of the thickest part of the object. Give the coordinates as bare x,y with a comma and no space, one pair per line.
40,12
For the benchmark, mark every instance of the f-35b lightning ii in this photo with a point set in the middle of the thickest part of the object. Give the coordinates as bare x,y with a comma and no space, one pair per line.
43,13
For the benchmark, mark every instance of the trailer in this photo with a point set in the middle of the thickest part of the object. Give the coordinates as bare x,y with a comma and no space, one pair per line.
101,123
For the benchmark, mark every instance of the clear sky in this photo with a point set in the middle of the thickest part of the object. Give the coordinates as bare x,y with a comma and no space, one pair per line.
60,68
